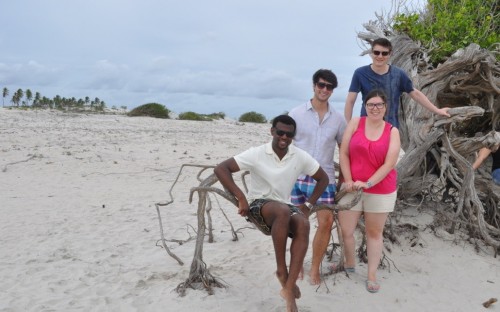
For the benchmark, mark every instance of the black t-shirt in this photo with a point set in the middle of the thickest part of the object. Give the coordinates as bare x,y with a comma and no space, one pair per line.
496,160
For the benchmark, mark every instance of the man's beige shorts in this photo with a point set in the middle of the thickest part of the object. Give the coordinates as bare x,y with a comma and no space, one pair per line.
372,202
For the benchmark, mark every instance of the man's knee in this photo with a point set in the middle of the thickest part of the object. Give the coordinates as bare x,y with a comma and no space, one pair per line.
306,225
325,219
304,230
300,225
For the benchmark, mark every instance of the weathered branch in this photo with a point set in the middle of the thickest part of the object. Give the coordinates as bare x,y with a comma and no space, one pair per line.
199,275
439,151
163,238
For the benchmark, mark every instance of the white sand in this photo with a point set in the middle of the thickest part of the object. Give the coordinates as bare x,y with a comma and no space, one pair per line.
78,227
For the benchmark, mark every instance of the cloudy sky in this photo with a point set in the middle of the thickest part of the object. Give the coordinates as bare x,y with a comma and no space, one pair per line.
205,56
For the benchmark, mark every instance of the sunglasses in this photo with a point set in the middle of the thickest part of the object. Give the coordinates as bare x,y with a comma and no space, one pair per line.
373,105
280,133
322,85
384,53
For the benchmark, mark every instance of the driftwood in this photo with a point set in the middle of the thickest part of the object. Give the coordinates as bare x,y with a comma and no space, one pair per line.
439,151
199,275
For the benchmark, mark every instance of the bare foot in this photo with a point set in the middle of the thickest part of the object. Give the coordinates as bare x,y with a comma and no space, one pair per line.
291,305
315,277
296,290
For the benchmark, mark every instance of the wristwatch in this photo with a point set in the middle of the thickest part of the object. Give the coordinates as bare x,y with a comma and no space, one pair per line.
308,205
369,184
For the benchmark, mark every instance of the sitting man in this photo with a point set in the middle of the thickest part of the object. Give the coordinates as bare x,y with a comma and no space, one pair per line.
274,168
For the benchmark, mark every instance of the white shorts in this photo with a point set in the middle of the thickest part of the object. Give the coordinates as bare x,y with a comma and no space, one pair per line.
372,202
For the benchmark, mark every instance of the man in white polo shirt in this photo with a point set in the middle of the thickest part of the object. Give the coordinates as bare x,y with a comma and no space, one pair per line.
274,168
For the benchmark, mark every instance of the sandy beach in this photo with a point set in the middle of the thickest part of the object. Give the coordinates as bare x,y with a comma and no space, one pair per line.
79,227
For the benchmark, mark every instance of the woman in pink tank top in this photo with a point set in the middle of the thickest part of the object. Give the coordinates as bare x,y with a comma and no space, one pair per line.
368,154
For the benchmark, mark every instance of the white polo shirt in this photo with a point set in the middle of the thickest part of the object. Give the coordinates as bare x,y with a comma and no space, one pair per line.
272,178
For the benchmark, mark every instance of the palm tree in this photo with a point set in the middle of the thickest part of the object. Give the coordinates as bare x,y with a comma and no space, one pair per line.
47,103
5,93
58,102
97,103
80,103
19,96
29,96
36,101
15,99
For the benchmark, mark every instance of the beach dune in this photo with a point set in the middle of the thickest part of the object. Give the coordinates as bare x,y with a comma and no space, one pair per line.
79,229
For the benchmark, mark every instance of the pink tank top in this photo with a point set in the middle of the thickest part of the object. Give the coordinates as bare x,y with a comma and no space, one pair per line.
367,156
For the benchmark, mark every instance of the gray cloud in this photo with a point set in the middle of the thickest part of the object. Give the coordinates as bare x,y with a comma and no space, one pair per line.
203,56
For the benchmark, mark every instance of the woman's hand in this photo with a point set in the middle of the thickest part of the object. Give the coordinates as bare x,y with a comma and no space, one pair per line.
348,186
358,185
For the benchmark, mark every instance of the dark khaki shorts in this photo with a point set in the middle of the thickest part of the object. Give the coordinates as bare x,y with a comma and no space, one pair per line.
256,218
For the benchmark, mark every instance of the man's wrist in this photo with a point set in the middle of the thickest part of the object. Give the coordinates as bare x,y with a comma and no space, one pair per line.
308,205
369,184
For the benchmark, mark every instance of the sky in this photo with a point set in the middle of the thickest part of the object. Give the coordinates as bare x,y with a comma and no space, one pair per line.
204,56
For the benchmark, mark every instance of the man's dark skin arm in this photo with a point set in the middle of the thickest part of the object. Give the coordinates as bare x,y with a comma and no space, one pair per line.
224,172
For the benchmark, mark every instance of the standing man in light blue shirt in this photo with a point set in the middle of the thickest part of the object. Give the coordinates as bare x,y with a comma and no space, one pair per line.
319,131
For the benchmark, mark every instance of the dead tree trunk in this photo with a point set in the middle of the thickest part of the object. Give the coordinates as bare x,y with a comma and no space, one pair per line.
439,151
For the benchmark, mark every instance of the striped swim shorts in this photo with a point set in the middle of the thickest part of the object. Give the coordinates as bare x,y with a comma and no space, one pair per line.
303,190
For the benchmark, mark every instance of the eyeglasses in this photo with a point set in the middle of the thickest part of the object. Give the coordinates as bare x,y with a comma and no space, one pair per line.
373,105
322,85
282,132
384,53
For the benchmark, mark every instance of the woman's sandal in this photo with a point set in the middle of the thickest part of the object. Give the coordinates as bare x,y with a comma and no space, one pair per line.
372,286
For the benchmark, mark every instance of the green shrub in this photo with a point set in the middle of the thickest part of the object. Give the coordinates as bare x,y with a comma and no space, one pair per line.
252,117
219,115
445,26
193,116
151,109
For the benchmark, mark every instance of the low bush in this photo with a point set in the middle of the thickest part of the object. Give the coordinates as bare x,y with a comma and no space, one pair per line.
151,109
252,117
193,116
219,115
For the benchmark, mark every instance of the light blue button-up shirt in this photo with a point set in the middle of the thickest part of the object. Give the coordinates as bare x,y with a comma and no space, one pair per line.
319,139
